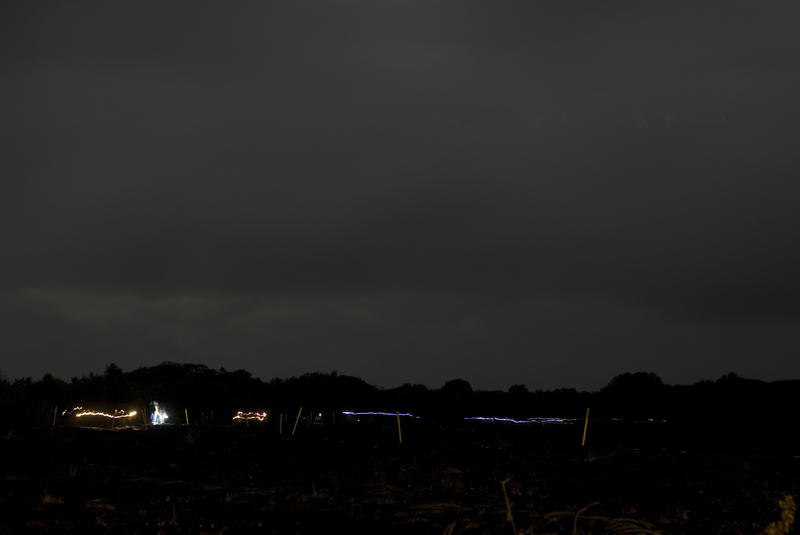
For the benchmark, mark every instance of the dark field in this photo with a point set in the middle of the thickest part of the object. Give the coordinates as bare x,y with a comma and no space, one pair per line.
355,478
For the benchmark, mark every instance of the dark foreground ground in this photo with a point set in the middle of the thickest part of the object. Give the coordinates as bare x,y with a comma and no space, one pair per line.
630,479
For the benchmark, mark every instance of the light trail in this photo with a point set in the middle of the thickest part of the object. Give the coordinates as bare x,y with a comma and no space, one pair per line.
80,412
537,420
115,415
260,416
352,413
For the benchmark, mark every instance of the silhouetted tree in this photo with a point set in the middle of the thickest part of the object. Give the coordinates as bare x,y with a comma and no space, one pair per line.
640,395
456,397
458,387
638,382
517,390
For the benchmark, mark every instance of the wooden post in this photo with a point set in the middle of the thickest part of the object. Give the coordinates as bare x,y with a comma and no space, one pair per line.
509,514
55,411
297,420
585,426
280,424
399,430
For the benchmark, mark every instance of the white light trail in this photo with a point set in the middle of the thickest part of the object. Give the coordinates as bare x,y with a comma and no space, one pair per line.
525,421
352,413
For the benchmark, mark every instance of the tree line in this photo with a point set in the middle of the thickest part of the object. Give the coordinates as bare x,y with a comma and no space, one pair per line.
639,396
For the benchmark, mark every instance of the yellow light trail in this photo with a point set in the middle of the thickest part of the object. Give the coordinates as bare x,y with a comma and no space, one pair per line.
117,414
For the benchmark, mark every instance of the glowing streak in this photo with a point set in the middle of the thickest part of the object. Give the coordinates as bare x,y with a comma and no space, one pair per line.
525,421
585,427
399,430
351,413
297,420
117,414
260,416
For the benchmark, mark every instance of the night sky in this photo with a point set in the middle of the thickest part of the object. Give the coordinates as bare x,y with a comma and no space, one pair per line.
538,192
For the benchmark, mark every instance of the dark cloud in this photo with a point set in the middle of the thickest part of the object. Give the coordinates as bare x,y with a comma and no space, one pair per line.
407,192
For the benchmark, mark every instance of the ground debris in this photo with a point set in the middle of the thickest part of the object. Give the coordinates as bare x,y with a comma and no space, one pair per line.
370,485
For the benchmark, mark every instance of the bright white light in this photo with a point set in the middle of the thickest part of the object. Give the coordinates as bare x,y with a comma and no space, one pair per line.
159,415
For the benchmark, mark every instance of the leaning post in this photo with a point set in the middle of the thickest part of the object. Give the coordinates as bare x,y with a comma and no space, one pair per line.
297,421
585,427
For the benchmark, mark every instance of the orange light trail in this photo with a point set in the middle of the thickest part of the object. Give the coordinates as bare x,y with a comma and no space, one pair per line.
260,416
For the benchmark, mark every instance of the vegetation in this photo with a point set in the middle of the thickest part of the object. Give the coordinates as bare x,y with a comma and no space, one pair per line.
199,389
725,461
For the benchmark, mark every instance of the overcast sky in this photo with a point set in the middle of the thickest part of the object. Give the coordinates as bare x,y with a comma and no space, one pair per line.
538,192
